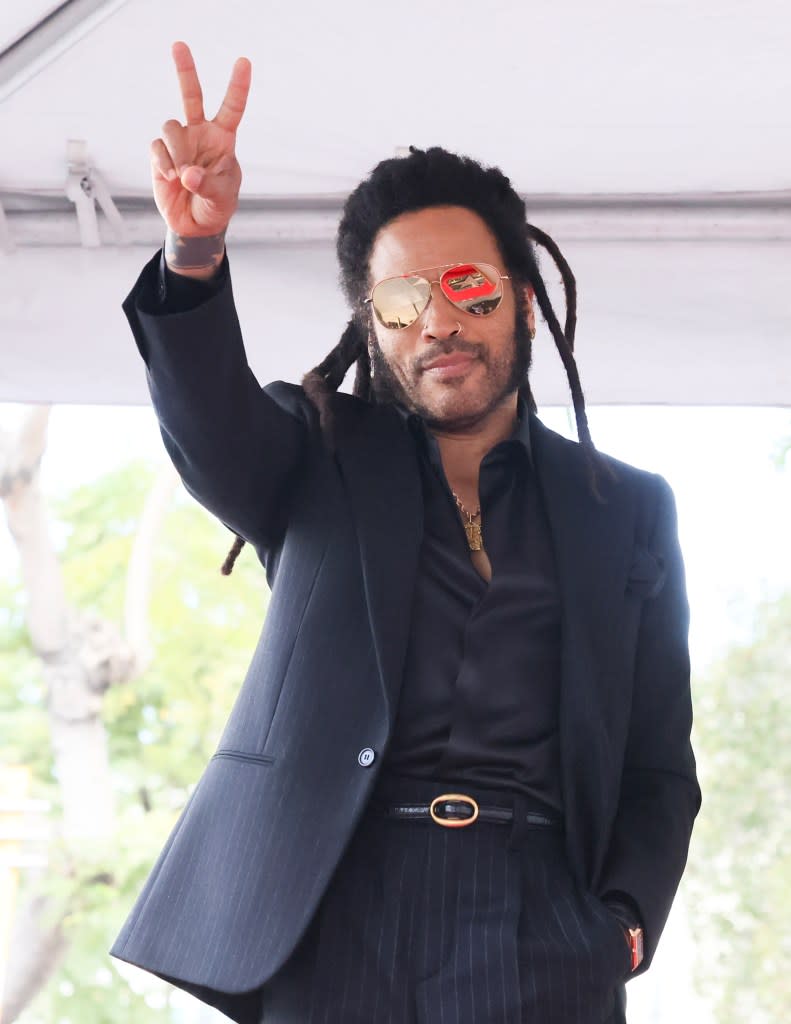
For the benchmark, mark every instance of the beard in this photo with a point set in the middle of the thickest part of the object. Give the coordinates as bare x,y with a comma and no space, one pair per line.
510,371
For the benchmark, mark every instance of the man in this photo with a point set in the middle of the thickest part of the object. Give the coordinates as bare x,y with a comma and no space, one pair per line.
457,783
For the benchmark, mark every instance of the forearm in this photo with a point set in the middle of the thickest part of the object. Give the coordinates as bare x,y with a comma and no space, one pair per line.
659,793
235,447
648,850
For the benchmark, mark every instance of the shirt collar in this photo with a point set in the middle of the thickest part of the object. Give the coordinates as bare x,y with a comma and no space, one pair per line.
520,433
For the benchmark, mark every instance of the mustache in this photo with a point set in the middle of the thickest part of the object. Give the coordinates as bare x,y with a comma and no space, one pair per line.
447,349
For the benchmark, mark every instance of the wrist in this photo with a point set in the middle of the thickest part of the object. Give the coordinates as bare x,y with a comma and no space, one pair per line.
628,919
198,257
634,939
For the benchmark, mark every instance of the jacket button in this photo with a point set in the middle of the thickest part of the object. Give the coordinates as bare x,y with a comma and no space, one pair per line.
366,756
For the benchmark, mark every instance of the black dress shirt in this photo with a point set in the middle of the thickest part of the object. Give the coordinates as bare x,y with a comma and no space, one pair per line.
480,693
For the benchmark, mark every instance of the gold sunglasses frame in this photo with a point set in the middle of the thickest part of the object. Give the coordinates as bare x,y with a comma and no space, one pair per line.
416,273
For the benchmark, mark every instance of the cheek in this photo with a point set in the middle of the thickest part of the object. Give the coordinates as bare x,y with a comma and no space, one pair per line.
395,353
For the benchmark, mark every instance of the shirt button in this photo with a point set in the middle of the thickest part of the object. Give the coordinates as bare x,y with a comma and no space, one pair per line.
366,756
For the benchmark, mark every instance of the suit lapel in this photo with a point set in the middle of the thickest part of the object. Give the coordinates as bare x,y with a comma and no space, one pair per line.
379,465
592,544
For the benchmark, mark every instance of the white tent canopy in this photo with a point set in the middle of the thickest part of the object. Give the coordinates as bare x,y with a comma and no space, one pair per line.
652,142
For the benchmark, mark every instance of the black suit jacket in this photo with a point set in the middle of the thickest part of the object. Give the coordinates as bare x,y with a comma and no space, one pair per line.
339,535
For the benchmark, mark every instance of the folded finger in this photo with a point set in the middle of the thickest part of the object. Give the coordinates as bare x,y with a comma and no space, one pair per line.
177,147
161,161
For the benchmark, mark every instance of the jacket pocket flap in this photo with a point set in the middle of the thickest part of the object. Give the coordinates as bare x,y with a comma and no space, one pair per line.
647,573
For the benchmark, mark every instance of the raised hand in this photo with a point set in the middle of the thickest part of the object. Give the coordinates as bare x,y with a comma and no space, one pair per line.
195,174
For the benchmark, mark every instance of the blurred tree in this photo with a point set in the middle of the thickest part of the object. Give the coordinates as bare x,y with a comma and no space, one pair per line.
739,880
136,574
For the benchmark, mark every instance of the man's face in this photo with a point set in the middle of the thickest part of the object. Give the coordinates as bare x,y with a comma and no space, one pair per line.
498,344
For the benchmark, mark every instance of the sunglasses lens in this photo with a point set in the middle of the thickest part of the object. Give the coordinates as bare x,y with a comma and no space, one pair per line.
399,301
474,287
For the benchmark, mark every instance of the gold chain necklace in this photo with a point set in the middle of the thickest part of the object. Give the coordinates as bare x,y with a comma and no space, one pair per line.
471,528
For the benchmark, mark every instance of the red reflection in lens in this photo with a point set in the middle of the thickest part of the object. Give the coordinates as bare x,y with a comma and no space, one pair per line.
466,283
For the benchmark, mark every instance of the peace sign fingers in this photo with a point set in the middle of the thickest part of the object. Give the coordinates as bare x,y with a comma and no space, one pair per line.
191,93
194,171
230,113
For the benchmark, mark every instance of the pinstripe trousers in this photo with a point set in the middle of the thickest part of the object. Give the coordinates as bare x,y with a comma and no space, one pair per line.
423,924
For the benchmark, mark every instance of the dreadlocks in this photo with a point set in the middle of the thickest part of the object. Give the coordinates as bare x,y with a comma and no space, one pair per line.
436,177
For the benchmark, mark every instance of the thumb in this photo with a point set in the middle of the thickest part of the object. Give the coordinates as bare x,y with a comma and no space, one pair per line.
192,177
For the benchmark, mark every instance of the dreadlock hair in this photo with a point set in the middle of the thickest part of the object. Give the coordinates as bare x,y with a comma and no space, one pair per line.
436,177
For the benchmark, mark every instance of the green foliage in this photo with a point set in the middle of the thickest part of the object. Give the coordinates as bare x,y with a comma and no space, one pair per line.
739,879
782,453
162,727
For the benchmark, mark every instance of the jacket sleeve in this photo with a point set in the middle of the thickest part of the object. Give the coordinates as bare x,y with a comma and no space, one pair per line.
179,293
660,796
237,446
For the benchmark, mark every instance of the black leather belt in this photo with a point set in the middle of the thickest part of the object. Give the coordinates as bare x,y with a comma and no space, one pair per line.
456,810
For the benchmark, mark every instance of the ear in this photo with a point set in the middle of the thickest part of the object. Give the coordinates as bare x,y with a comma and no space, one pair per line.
530,296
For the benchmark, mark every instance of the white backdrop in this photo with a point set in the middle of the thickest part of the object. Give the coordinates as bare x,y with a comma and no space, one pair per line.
651,139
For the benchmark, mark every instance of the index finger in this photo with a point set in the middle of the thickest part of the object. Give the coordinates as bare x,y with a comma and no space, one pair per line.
191,93
232,107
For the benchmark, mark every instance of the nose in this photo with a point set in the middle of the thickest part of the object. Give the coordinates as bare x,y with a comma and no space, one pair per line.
440,317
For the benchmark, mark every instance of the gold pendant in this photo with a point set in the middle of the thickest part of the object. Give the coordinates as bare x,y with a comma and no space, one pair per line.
474,538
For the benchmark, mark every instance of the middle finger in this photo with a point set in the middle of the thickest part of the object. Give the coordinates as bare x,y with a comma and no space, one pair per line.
232,107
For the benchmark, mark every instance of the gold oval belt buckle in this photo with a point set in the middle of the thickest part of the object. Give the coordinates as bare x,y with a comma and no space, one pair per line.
454,822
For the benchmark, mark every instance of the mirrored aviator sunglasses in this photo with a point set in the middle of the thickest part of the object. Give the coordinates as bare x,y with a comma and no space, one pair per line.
474,288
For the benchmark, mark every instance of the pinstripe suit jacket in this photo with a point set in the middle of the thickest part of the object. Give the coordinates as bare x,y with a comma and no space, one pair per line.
339,535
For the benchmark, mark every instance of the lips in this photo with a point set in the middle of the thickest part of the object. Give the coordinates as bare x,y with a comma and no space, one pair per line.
454,359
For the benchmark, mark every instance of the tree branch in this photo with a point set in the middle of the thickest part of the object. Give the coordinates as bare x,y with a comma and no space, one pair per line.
37,948
141,560
82,655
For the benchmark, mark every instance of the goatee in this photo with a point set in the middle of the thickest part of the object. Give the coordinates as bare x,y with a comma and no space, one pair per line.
386,387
